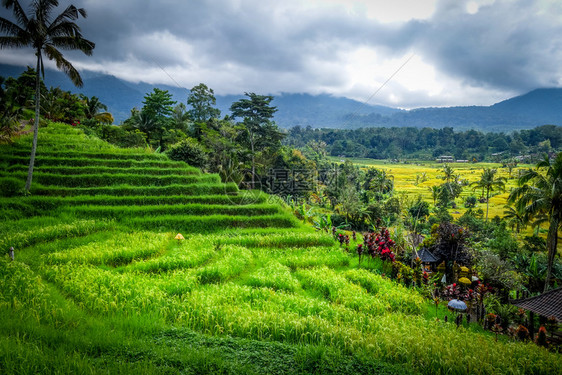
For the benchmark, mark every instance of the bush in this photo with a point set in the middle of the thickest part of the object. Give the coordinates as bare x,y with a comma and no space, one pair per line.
189,151
10,186
470,202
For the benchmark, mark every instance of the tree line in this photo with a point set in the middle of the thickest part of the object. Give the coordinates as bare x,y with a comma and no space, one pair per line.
428,143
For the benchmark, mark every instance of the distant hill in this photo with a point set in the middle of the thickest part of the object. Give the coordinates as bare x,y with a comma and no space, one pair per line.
538,107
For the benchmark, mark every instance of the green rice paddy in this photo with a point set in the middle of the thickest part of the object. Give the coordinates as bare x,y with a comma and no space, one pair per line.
99,283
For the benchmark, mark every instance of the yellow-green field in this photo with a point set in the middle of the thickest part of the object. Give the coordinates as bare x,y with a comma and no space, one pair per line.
405,180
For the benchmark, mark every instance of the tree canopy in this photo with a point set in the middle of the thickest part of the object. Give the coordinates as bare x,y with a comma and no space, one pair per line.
46,34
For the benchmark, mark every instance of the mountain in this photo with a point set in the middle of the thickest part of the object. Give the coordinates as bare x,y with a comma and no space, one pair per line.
538,107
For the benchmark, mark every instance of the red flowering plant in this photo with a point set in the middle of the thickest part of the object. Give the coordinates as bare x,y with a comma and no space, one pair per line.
541,337
341,238
490,320
384,245
425,278
452,291
479,293
360,252
522,333
418,269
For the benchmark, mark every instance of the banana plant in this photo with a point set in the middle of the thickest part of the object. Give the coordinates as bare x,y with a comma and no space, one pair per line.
323,223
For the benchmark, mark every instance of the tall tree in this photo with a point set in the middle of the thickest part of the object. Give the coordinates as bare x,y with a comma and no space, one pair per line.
96,110
448,173
539,194
434,190
515,217
180,118
489,182
46,35
9,115
156,114
257,114
202,101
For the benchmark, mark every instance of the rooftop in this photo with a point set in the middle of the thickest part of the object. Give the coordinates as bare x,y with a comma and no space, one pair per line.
547,304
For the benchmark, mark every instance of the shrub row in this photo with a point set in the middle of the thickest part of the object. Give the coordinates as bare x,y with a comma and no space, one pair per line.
126,190
315,257
192,252
232,260
274,275
187,224
77,170
87,162
94,155
52,145
115,251
282,240
107,179
337,289
38,204
122,212
49,233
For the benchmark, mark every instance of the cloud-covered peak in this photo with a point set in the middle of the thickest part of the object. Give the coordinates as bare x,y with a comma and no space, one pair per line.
436,52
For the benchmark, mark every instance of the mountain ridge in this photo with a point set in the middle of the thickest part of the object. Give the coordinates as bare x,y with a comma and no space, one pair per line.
534,108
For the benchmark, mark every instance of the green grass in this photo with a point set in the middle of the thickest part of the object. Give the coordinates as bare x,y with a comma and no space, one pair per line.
124,190
110,179
82,161
100,285
150,171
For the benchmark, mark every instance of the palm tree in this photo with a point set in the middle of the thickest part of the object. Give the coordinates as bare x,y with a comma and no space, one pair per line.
180,117
448,172
46,35
543,199
94,109
516,217
489,182
434,190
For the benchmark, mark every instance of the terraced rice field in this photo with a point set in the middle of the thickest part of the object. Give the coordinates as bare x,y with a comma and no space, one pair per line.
100,285
405,176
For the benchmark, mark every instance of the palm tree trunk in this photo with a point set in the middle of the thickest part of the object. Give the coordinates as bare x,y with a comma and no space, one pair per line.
551,244
253,160
487,203
36,127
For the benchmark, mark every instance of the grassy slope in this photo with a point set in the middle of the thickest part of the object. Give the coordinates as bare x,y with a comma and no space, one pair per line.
100,284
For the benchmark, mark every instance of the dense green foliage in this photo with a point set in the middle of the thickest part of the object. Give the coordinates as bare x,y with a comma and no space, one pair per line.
99,284
427,143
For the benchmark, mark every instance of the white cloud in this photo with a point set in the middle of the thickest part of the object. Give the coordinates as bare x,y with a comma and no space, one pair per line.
464,51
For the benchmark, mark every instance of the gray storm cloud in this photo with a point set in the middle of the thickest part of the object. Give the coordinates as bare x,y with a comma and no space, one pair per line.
270,46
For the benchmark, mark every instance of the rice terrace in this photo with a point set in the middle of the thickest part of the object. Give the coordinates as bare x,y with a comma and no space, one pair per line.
191,233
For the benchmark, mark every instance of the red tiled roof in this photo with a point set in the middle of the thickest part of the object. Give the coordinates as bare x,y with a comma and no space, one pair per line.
547,304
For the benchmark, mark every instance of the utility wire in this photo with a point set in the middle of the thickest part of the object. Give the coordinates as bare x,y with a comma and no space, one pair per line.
172,78
354,114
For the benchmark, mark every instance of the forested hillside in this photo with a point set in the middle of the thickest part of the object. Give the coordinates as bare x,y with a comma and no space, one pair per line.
427,143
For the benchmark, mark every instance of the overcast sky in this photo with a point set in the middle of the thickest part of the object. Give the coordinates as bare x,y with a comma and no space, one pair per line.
431,52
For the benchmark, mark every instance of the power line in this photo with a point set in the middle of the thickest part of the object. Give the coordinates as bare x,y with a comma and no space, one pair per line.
172,78
354,114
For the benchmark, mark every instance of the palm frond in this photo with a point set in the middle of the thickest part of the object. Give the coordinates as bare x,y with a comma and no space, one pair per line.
64,20
53,54
17,10
544,163
73,43
65,28
44,8
12,42
10,28
70,13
